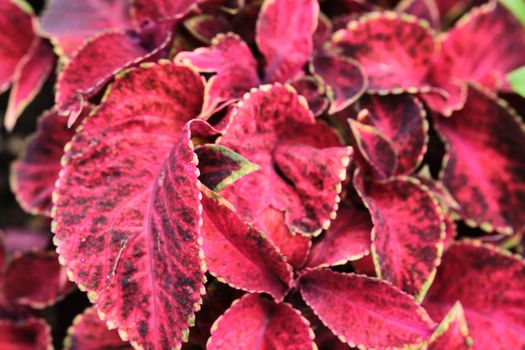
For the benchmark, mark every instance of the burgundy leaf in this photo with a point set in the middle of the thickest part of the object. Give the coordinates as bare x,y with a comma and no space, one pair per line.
254,322
344,77
205,27
69,23
294,247
31,73
489,284
89,332
313,89
239,254
127,205
423,9
486,162
295,20
220,166
484,46
408,234
452,332
324,30
348,239
19,240
16,37
34,175
30,334
380,315
273,126
36,279
395,51
84,76
375,151
232,60
157,10
402,120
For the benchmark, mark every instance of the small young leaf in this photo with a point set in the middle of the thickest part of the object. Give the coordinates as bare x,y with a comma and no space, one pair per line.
380,315
295,20
254,322
490,285
239,254
313,89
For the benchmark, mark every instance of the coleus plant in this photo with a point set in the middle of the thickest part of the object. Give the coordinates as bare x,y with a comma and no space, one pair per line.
343,173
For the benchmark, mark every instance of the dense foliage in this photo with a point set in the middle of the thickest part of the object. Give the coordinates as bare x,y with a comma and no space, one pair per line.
265,174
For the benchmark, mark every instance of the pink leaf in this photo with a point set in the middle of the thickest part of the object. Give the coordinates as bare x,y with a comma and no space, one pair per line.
127,205
69,23
89,332
254,322
395,51
485,165
364,311
29,334
36,279
31,73
295,20
347,239
489,284
344,77
402,120
19,240
239,254
84,76
16,37
273,126
408,234
452,332
35,173
157,10
205,27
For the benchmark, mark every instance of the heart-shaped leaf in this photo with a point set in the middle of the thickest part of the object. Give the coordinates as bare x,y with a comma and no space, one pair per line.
88,331
485,162
380,315
239,254
394,50
69,23
255,322
291,19
408,234
489,284
127,207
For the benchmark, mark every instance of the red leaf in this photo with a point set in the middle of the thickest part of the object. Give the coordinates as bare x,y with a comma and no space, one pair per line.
157,10
402,120
220,166
313,89
423,9
69,23
254,322
395,51
294,247
273,126
234,64
36,279
344,77
364,311
295,20
205,27
348,239
486,162
34,175
127,205
31,73
408,234
376,153
84,76
484,46
239,254
16,37
88,332
452,332
30,334
489,284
